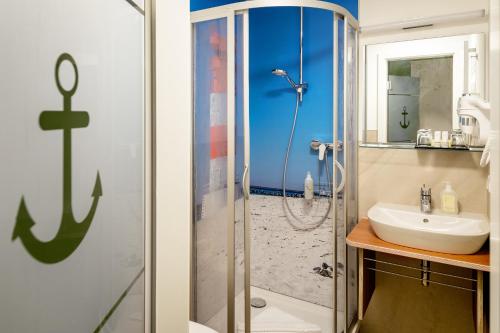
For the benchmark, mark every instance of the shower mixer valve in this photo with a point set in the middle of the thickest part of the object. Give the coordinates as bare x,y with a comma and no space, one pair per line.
323,147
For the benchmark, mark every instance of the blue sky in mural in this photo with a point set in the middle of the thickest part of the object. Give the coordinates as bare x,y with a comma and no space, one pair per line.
204,4
351,5
274,43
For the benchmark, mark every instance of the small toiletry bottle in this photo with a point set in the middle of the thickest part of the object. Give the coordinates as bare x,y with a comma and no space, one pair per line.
436,142
445,142
308,187
449,200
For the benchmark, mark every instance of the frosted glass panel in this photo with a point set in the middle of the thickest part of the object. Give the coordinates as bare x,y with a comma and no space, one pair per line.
72,167
210,172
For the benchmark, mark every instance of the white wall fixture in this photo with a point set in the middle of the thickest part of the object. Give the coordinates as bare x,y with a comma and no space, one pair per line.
425,22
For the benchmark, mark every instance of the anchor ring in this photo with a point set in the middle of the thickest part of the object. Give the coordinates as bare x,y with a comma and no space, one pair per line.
60,60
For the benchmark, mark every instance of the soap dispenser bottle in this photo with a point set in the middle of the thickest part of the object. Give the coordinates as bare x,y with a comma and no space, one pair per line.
308,187
449,200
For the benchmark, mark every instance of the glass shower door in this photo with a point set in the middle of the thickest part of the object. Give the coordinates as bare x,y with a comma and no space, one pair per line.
210,237
220,174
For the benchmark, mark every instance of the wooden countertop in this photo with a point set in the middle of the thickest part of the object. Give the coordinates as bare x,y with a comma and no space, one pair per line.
363,236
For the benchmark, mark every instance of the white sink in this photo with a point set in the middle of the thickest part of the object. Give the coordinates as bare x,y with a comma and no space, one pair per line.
406,225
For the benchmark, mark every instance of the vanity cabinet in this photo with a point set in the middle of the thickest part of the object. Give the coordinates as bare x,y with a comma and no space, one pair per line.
375,256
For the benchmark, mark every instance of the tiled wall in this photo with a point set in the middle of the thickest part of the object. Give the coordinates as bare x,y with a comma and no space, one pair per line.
396,175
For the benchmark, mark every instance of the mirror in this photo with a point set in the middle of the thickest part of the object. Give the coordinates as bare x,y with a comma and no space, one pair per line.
412,85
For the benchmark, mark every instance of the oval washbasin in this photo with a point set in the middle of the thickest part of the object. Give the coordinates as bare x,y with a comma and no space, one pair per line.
406,225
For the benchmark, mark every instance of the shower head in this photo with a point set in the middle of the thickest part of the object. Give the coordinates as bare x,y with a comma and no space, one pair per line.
279,72
283,73
299,88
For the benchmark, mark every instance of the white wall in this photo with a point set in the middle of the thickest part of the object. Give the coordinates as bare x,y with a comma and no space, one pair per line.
495,167
173,165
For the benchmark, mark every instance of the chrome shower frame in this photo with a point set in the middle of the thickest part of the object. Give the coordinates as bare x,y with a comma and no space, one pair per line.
229,12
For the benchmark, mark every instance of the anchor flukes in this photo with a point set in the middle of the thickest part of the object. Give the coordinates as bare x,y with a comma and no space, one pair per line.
97,187
24,221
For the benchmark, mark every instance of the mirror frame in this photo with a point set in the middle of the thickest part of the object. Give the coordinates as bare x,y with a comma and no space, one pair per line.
376,98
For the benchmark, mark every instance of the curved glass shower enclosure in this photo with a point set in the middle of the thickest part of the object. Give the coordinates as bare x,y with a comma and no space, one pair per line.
269,247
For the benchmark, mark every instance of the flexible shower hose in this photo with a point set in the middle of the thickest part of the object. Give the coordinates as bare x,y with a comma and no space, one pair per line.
304,225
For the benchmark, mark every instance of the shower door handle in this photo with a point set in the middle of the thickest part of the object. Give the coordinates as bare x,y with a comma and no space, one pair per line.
342,177
244,183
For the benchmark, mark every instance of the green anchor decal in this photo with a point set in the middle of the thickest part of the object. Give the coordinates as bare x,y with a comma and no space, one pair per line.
404,124
71,232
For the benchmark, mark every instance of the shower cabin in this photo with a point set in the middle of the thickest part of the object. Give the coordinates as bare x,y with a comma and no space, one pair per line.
245,244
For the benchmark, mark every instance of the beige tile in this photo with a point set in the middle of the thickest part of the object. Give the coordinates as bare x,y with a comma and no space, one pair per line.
396,175
372,136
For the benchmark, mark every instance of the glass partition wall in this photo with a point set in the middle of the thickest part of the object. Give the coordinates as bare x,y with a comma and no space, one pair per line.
74,178
229,217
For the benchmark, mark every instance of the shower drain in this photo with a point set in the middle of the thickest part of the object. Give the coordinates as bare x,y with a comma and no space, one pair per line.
258,302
